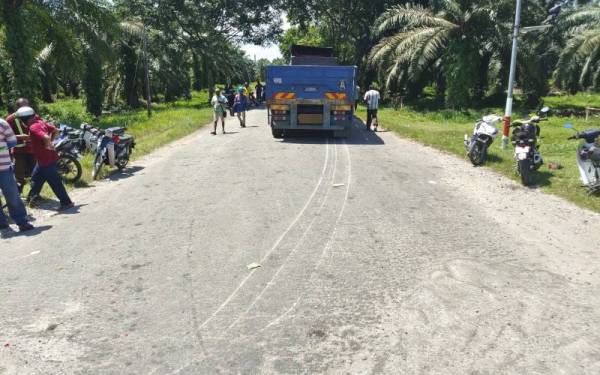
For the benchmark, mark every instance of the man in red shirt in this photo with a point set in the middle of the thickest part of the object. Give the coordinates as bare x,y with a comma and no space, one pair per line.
22,153
41,136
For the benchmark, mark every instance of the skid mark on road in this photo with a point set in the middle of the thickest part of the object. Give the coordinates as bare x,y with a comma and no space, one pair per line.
329,240
287,264
300,241
276,244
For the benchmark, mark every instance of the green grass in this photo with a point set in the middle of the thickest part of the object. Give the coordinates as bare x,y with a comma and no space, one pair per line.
445,130
579,101
169,122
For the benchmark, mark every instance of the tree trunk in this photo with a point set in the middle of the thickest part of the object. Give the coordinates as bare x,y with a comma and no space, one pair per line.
131,75
197,69
92,83
46,78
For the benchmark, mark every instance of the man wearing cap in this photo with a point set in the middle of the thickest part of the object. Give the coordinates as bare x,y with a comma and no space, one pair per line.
22,152
8,184
42,135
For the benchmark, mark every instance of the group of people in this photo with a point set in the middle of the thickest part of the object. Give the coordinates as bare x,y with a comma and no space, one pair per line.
27,151
236,101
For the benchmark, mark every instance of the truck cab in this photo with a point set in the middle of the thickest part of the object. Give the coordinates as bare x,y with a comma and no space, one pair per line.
313,93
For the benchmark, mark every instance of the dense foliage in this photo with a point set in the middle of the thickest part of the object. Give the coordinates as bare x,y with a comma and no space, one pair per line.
459,48
56,48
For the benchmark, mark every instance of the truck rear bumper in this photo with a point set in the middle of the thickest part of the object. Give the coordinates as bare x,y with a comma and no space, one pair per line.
279,126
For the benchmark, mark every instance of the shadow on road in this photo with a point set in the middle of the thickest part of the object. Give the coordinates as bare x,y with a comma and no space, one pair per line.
125,173
360,136
9,233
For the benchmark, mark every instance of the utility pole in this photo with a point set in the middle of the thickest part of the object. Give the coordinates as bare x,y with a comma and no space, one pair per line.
511,78
147,73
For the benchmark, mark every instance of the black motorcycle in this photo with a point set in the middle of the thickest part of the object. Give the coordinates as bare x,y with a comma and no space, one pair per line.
114,148
68,147
525,139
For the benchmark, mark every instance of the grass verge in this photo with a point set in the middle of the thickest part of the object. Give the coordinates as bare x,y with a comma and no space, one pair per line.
168,123
445,130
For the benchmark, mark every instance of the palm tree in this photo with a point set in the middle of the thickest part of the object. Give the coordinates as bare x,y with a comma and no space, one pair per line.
579,64
457,37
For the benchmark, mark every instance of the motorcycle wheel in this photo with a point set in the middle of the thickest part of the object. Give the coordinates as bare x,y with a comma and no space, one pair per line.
97,167
478,154
122,163
525,171
69,168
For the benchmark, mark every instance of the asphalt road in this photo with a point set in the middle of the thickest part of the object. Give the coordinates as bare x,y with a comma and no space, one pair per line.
377,255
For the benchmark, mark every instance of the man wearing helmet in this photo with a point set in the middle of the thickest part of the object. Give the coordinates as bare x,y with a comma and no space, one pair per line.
42,135
8,184
22,153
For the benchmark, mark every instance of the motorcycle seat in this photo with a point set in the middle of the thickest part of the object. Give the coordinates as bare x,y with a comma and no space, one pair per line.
117,130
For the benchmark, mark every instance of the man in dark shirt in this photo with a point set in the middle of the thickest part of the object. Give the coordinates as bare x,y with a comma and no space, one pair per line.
259,92
41,135
22,153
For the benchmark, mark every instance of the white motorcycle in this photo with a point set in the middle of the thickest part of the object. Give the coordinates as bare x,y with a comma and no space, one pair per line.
484,133
588,158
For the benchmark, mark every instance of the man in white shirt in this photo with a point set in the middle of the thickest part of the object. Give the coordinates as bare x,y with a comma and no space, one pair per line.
372,99
219,102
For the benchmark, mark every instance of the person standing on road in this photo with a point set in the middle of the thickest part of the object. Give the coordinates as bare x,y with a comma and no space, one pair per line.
239,107
218,102
42,135
22,153
372,99
8,184
259,92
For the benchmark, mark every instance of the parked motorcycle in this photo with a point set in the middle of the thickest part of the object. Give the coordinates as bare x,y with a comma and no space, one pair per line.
89,137
68,164
114,148
484,133
525,139
588,158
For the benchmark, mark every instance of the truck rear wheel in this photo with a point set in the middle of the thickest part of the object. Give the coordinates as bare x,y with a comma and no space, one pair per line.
277,133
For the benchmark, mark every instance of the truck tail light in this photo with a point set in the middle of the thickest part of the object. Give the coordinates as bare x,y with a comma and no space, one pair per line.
280,107
340,112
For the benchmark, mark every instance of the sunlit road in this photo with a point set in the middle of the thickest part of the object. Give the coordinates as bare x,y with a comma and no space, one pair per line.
376,255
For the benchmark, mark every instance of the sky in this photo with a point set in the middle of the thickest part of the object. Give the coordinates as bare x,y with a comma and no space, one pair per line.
268,52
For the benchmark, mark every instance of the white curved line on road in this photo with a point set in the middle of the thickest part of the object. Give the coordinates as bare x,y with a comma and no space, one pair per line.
300,241
308,202
341,214
337,221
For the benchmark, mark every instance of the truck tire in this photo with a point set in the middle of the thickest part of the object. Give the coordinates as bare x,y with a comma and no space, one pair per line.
278,134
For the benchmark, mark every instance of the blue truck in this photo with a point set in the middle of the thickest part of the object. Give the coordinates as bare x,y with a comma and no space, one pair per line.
313,93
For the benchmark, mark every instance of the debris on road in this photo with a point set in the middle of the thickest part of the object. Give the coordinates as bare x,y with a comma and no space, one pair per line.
554,166
338,185
253,266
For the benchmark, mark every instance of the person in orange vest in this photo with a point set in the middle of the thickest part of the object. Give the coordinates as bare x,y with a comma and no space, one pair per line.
22,153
